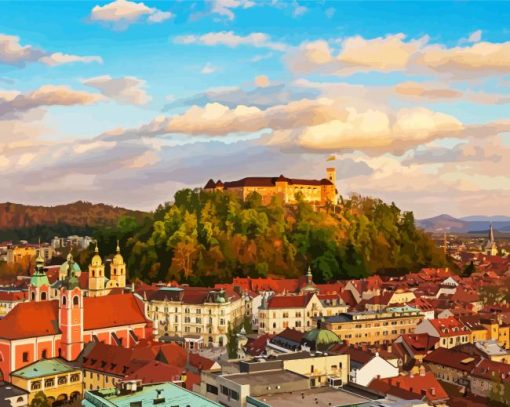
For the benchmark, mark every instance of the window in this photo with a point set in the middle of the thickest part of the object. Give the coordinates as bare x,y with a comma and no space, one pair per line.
224,390
43,296
49,382
35,385
211,389
76,300
62,380
25,356
64,300
44,354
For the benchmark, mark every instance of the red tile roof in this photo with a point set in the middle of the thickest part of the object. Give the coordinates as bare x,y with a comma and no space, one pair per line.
200,362
13,295
487,369
411,387
453,359
112,310
420,343
30,319
288,301
156,372
450,326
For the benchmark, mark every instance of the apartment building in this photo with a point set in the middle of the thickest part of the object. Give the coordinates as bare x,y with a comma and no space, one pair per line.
199,315
373,327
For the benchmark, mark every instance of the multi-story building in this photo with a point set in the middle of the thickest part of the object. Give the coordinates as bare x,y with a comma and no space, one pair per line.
27,252
374,328
450,331
200,315
297,311
9,298
58,380
288,189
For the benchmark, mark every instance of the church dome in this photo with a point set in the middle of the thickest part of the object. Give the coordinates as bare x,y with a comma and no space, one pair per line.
320,339
96,260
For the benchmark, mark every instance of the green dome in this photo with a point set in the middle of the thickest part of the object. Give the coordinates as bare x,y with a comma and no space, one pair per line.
64,268
320,339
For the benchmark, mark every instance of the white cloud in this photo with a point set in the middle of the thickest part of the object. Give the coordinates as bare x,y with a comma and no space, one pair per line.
475,36
357,54
207,69
299,10
230,39
58,58
395,53
224,7
13,53
122,13
48,95
126,89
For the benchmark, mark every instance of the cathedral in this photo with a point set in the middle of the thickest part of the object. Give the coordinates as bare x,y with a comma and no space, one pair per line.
93,282
60,318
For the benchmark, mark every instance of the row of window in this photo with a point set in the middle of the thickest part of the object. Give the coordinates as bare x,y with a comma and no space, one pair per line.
186,310
50,382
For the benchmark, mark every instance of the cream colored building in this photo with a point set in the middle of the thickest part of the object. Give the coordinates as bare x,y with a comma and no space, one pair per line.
199,315
375,328
297,311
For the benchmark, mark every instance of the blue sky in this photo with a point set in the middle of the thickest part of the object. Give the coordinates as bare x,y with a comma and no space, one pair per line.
124,102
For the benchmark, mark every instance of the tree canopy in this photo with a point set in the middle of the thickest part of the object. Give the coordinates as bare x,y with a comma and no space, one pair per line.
206,237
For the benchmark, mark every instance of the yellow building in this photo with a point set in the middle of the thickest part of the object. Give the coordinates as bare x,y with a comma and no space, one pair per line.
56,378
374,328
99,284
25,253
316,191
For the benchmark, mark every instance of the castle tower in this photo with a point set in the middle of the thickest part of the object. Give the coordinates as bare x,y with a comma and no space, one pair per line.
71,319
39,287
118,270
96,275
331,175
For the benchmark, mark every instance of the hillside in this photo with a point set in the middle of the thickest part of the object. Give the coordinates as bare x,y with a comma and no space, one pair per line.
468,224
29,222
206,237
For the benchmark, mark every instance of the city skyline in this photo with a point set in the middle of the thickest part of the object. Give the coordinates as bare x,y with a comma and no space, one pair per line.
126,102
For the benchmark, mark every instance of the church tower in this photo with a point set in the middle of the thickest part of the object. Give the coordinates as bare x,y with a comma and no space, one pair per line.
118,270
39,287
491,248
71,319
96,275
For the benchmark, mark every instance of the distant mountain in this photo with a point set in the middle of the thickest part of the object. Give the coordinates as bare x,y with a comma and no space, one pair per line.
468,224
444,223
29,222
479,218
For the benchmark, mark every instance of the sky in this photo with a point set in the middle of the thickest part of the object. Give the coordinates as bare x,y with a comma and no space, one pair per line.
126,102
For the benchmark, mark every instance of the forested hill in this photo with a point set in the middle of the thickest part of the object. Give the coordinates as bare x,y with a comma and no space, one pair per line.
31,222
206,237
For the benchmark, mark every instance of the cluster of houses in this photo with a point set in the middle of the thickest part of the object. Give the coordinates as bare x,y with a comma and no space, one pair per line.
426,338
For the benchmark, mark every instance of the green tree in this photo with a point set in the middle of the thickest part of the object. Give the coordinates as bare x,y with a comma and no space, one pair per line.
40,400
232,342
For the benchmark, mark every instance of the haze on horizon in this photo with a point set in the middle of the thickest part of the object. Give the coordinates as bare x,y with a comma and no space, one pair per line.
125,102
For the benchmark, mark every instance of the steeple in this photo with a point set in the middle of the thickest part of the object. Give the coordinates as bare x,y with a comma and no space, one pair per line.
491,248
96,275
491,234
118,270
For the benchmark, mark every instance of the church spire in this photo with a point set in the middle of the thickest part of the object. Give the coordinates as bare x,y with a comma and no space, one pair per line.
491,234
118,247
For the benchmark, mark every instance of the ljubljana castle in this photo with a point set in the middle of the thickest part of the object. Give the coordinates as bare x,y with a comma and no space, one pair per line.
312,190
